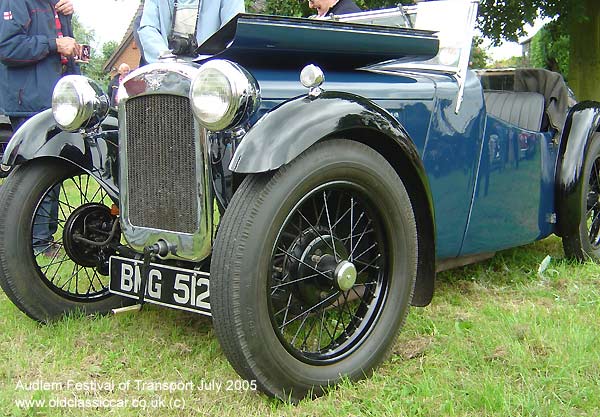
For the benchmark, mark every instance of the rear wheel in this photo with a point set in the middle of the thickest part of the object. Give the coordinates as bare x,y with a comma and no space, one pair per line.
586,244
50,211
313,270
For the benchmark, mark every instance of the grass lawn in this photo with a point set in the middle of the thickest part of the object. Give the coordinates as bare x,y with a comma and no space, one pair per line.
498,340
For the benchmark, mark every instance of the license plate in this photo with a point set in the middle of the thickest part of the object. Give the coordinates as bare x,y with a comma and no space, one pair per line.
169,286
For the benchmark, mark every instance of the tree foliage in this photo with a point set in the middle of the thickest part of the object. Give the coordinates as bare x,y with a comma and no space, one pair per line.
300,8
93,68
550,49
479,57
512,62
580,19
505,19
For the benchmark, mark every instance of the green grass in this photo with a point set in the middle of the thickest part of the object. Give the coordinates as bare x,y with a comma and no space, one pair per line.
498,340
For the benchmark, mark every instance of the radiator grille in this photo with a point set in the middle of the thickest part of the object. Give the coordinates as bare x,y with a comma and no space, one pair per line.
161,160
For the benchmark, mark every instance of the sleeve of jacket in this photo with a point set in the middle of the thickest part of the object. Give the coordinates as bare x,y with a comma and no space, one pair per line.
230,8
154,43
17,46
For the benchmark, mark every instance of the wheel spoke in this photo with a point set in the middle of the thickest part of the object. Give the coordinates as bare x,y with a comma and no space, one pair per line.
304,263
77,182
587,214
87,184
597,182
320,330
351,219
296,280
99,190
316,231
369,265
64,191
351,257
318,214
325,300
298,330
329,223
356,235
594,229
52,263
286,309
307,334
365,251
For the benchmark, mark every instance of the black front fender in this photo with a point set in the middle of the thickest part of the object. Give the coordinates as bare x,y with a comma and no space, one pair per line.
96,153
582,122
292,127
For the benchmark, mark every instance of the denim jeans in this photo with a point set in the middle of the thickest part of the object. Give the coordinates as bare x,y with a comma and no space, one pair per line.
45,223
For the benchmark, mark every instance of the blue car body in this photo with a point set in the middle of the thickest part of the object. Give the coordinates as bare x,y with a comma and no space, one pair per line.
479,170
481,202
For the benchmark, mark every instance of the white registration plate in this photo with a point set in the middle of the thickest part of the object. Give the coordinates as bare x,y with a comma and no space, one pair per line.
179,288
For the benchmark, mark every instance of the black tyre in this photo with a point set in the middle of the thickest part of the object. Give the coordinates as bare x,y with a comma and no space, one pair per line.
586,244
58,274
313,270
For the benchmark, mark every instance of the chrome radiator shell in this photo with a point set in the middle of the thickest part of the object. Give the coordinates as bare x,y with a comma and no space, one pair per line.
163,163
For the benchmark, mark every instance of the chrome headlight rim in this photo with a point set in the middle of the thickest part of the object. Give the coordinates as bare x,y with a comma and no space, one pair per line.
243,94
89,104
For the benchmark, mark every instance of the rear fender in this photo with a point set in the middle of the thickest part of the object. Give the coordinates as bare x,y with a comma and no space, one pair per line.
582,122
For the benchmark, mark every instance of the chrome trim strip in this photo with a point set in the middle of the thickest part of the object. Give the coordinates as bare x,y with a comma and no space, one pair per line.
353,30
413,66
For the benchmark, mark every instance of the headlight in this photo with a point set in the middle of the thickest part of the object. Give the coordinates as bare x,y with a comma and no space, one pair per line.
78,102
223,95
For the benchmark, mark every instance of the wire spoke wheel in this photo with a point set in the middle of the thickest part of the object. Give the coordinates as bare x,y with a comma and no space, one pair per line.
328,277
592,217
51,238
58,235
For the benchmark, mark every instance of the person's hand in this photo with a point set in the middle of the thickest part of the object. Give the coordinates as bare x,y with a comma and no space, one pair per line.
68,47
64,7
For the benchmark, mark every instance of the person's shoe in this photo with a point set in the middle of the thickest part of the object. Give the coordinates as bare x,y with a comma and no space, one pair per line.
52,251
49,251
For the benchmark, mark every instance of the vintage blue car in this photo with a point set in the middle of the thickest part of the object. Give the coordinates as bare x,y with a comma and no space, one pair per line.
304,216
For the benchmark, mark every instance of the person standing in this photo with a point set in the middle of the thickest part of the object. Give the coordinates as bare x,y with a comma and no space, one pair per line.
333,7
113,87
37,48
196,20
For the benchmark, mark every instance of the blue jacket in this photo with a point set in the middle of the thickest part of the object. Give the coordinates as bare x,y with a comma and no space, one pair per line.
158,17
344,7
32,65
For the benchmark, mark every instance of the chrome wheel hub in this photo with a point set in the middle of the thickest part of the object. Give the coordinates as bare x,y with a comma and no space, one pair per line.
345,275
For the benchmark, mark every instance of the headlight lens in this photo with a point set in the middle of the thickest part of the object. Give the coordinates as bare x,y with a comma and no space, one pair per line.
223,94
78,102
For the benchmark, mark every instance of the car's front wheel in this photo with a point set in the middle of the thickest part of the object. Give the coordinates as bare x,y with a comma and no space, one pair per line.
53,220
313,270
